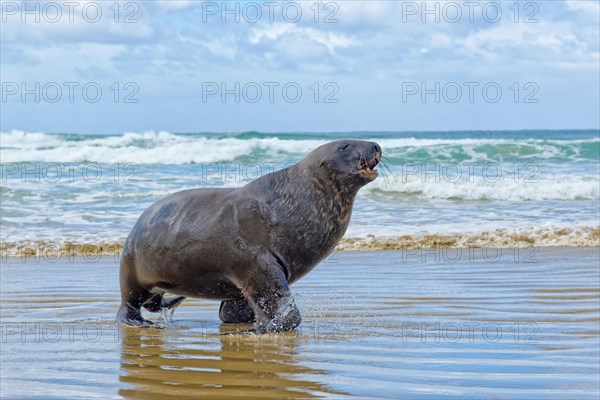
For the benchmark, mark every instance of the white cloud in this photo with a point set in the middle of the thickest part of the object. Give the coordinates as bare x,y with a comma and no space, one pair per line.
70,24
61,63
545,41
364,12
330,40
585,6
222,47
175,4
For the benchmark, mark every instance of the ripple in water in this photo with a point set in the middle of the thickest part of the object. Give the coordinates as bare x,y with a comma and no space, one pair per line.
376,325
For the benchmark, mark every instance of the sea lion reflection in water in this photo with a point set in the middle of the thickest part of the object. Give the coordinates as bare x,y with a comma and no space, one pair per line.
245,246
202,362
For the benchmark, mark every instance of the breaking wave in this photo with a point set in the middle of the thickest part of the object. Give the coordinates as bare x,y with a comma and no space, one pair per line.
176,149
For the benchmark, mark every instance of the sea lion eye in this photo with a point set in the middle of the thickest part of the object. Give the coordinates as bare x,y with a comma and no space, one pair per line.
344,147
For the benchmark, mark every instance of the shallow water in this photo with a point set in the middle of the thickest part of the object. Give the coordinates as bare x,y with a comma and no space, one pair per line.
376,325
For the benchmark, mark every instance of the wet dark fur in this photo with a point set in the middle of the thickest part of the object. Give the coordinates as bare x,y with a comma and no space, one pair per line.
245,245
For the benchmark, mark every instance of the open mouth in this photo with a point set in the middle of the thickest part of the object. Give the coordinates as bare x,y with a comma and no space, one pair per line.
368,167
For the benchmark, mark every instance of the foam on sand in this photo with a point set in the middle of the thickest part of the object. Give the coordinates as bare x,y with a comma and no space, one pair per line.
499,238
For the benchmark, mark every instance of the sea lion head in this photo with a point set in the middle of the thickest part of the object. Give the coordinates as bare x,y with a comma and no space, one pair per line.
351,162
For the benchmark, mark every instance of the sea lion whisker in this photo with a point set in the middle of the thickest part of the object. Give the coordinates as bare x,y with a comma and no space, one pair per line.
385,175
387,169
387,160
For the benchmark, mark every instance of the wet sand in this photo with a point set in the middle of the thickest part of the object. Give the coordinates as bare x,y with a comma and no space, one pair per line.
514,325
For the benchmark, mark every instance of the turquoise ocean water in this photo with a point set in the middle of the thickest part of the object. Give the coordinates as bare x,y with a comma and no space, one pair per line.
93,188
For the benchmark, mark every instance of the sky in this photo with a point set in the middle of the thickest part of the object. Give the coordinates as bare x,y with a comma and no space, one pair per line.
106,67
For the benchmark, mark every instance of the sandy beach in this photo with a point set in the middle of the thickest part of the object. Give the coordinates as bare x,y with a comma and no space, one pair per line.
418,325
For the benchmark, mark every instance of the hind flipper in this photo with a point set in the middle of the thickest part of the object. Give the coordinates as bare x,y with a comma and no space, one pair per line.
157,302
172,302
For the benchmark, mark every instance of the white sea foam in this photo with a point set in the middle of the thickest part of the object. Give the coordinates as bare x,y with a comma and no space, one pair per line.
168,148
144,148
550,187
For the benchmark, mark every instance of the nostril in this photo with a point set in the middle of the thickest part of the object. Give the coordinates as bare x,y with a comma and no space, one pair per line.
376,148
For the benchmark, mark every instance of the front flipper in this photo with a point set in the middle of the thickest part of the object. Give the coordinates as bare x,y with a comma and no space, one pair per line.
269,296
236,312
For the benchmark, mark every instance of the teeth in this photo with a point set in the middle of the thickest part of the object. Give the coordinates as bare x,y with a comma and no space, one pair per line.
368,169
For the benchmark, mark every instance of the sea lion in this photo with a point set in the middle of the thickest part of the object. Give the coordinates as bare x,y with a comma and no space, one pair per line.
246,245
